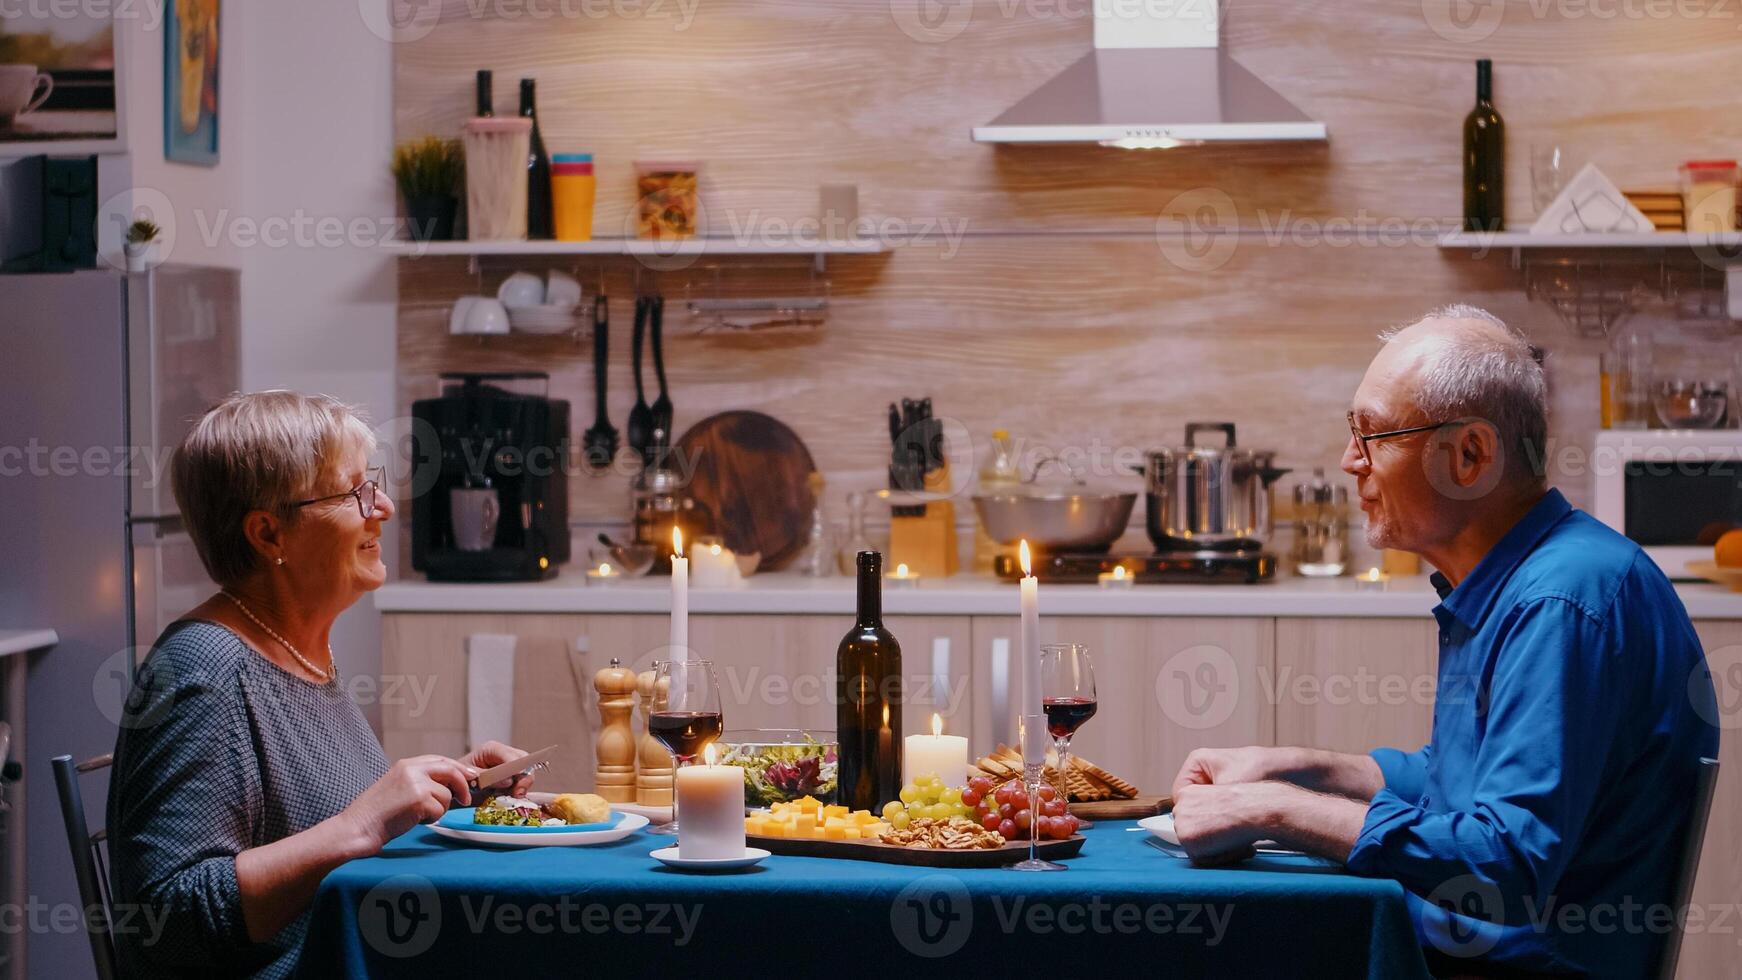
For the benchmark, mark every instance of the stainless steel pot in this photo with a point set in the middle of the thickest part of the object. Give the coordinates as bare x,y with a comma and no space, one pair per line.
1062,519
1210,497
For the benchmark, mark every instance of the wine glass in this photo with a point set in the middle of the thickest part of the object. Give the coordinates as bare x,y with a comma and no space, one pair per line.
1067,690
1031,731
685,717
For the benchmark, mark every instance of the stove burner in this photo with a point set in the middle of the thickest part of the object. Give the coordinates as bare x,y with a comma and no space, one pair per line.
1161,568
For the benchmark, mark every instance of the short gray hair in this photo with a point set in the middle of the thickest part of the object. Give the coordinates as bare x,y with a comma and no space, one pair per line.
1478,375
258,451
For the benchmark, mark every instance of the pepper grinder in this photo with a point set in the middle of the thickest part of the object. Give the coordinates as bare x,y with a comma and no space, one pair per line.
653,786
614,779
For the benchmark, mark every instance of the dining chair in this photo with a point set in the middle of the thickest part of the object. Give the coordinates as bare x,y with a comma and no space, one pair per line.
1688,864
90,864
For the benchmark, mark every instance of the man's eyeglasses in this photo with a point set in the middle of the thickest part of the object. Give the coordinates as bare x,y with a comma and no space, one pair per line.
1363,438
364,492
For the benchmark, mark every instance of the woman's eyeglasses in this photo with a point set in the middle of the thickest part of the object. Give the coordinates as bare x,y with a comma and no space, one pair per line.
1363,438
364,492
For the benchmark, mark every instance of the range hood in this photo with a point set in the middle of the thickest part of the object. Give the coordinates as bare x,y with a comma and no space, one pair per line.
1157,78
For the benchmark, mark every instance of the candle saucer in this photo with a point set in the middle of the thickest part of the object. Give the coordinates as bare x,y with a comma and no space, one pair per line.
668,856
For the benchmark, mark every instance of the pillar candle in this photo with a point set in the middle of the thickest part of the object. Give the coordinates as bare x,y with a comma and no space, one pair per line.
944,756
680,598
710,806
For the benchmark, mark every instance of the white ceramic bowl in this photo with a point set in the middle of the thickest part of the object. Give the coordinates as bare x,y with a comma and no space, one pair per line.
521,289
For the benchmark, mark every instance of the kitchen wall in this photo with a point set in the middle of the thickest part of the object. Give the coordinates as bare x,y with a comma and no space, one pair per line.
1050,290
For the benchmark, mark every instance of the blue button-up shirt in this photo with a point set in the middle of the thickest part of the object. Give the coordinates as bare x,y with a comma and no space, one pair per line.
1540,826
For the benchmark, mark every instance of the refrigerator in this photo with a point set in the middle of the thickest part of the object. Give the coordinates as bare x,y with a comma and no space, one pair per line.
101,374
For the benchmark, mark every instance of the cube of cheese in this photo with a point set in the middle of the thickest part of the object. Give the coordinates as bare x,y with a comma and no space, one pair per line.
864,818
754,826
819,833
777,828
834,810
779,806
809,804
873,831
804,824
836,831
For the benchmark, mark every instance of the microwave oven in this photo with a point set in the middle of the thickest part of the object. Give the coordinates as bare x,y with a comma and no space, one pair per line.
1673,491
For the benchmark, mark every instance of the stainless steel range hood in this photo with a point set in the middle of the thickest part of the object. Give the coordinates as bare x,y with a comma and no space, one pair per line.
1157,78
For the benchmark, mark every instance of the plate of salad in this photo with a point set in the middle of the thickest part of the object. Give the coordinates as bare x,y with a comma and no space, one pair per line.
781,765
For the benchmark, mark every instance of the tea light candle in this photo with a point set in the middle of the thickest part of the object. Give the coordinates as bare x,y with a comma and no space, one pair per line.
937,754
603,575
1118,578
710,800
902,578
1372,580
680,596
715,567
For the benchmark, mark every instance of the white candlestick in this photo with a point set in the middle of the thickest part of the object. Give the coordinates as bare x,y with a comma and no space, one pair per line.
937,754
680,599
1029,640
710,804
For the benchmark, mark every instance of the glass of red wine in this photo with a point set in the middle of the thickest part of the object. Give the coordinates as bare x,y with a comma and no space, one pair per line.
1067,695
1032,731
685,717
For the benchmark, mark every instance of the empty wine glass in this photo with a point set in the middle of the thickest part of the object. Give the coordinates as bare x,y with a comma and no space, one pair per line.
1031,731
1067,691
686,716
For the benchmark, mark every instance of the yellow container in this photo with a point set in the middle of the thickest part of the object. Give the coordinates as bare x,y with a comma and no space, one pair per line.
571,198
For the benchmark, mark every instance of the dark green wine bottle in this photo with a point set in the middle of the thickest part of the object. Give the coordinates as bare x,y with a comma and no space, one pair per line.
1484,158
868,699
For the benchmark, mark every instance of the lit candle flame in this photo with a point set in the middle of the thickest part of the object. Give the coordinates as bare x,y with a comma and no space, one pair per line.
1118,571
901,570
1027,564
1372,574
604,568
708,754
937,724
886,716
713,549
676,541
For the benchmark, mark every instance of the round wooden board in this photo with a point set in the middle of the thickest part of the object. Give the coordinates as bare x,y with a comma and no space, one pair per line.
927,857
751,472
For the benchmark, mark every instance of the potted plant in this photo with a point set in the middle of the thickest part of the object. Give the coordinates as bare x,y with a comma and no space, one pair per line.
429,172
140,245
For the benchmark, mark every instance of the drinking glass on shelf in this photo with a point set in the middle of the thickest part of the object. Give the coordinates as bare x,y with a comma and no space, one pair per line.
1548,174
1067,691
685,717
1031,731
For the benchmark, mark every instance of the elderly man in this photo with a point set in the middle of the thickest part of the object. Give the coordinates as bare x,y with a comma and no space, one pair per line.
1559,778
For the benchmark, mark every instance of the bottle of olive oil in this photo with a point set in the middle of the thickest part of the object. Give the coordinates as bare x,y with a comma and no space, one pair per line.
868,699
1484,158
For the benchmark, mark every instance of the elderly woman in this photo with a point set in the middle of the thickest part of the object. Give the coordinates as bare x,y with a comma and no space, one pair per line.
247,773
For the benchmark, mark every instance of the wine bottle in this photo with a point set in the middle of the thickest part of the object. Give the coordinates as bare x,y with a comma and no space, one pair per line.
486,103
1484,158
539,223
868,699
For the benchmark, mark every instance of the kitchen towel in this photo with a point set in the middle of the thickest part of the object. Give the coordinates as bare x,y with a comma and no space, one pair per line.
489,688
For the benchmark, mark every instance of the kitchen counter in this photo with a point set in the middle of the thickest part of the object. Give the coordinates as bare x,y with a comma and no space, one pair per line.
783,593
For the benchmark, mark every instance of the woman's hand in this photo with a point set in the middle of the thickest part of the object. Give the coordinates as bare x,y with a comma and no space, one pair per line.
494,754
414,791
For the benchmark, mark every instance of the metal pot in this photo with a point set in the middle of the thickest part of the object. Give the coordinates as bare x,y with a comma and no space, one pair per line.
1204,497
1062,519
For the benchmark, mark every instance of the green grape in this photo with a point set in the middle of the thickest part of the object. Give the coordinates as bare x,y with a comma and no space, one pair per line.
909,794
950,794
901,821
891,808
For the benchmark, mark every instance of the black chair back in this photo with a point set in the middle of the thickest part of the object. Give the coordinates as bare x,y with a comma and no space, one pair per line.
90,859
1689,863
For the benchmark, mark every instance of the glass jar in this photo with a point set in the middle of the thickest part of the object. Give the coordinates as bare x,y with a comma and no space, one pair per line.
1709,195
1321,528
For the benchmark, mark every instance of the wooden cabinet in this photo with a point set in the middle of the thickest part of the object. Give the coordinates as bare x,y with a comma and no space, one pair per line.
1713,950
1352,685
1165,685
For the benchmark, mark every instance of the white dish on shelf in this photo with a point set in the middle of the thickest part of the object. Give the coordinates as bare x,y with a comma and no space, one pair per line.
668,856
458,825
542,319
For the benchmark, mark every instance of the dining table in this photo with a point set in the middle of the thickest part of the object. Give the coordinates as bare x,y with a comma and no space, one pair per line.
428,906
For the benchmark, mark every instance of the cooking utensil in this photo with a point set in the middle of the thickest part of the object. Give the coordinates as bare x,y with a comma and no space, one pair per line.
600,442
1080,519
634,559
1682,404
1204,497
641,416
662,404
752,473
530,762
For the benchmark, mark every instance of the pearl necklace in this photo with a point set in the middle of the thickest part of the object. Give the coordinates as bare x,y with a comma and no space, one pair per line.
332,671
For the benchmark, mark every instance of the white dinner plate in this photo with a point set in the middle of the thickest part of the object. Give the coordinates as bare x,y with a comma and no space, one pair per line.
668,856
1161,825
457,824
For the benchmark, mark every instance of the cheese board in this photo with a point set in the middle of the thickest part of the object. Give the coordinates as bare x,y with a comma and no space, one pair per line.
1132,809
925,857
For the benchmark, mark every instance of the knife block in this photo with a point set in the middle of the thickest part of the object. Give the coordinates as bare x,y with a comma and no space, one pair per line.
926,544
614,779
654,784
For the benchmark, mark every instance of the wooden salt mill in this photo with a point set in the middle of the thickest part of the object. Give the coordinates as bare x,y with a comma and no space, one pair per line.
653,786
614,779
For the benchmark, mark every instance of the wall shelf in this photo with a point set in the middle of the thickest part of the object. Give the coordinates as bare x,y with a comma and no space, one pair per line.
658,252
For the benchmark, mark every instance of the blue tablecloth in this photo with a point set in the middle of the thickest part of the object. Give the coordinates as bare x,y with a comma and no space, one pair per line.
430,907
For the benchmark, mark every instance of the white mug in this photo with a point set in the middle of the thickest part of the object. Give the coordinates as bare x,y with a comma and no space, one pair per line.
19,90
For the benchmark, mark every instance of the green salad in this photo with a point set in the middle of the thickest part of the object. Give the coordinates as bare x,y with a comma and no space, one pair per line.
780,773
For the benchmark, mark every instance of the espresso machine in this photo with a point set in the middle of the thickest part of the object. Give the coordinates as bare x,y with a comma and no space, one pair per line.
489,482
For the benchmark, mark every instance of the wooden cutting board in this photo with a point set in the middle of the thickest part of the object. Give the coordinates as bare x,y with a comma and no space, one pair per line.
751,472
1132,809
925,857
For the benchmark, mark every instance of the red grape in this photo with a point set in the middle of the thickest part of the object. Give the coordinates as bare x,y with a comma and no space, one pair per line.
1006,793
991,821
1047,792
1007,810
980,785
1023,818
1007,830
970,798
1053,808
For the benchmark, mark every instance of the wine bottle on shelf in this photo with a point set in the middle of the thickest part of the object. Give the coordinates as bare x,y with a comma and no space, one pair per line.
538,214
486,102
868,699
1484,158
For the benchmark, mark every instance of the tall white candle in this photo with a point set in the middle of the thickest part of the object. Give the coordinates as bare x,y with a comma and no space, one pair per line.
937,754
680,598
1028,645
710,806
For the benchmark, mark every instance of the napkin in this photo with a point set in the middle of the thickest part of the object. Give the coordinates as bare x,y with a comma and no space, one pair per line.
1590,203
489,687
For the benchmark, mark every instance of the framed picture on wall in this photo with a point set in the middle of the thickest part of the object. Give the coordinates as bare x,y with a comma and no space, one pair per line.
190,81
57,81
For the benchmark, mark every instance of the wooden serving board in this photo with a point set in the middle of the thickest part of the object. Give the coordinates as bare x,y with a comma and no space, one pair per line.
1133,809
925,857
751,473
